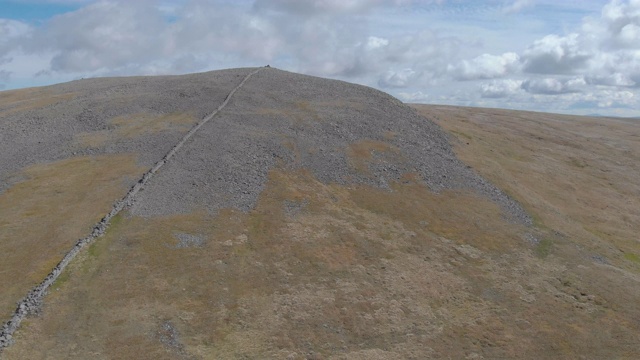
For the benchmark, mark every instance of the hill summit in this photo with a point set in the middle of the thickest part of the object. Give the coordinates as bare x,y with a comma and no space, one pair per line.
257,213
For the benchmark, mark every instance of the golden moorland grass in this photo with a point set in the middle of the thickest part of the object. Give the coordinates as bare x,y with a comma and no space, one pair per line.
42,216
328,271
14,101
578,176
303,112
364,153
135,125
353,272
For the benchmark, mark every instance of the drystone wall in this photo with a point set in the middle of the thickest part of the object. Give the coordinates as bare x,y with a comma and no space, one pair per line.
31,303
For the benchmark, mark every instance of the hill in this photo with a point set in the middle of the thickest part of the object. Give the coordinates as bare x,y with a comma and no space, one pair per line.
266,214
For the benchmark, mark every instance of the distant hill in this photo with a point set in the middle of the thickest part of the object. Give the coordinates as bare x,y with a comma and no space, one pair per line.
257,213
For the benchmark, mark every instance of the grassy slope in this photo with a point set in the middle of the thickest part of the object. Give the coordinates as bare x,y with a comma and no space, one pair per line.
52,205
577,175
328,271
43,216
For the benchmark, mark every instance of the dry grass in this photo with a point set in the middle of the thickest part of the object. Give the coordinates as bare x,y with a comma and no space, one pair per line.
14,101
131,126
324,271
364,153
577,175
355,273
42,216
301,113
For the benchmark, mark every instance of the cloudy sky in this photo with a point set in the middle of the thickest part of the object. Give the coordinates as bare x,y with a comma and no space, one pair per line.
568,56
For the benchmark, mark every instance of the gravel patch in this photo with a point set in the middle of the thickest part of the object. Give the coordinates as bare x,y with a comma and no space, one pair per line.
188,240
48,133
32,302
225,165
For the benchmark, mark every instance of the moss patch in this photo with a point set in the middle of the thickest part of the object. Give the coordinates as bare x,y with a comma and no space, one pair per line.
543,248
632,257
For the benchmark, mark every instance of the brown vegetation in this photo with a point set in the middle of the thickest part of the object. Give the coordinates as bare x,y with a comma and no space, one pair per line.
42,216
15,101
328,271
131,126
578,176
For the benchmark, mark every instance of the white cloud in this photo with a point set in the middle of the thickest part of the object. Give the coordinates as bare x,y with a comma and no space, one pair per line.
614,79
374,42
104,35
553,86
517,6
555,54
414,97
485,66
316,7
10,31
310,8
401,78
610,98
391,44
545,86
621,23
500,88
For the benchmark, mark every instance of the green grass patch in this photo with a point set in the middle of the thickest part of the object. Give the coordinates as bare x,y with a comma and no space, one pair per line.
116,220
543,248
95,249
61,280
632,257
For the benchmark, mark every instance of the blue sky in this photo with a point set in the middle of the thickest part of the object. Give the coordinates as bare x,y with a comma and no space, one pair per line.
34,12
580,57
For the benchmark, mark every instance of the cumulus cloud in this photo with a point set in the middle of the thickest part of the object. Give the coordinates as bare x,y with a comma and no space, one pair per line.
401,78
99,36
316,7
500,88
414,97
543,86
621,24
555,54
309,8
615,79
605,50
374,42
320,37
610,98
340,39
517,6
416,59
485,66
10,31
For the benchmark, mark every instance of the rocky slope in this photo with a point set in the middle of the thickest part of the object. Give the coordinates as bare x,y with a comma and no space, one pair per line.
305,218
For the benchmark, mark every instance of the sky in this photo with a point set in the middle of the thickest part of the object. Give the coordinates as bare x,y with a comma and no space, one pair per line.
564,56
